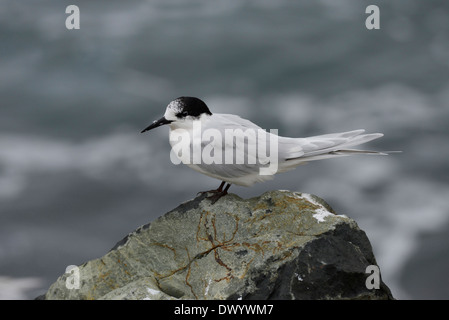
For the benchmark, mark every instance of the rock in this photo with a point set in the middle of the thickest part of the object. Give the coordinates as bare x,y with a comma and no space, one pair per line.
281,245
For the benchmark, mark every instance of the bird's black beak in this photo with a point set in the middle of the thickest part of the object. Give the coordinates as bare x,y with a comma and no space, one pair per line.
157,123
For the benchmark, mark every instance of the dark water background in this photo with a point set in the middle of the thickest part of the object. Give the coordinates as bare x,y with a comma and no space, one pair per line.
76,175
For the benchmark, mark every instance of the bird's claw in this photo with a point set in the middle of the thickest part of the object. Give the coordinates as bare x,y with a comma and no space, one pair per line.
217,193
214,198
209,191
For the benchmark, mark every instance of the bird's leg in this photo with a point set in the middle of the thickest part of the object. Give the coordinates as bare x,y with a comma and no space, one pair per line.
214,198
220,189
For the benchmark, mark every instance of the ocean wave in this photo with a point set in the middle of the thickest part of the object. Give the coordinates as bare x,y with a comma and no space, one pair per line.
21,156
17,288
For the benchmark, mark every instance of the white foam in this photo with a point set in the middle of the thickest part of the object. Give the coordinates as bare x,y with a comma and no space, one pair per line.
23,155
17,288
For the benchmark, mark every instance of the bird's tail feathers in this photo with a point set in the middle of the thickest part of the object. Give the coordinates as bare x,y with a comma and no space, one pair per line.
336,154
336,145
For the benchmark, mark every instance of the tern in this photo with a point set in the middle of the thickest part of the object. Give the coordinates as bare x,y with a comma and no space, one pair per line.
185,115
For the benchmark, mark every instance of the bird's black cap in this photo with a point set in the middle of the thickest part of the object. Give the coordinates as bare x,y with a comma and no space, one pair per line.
191,106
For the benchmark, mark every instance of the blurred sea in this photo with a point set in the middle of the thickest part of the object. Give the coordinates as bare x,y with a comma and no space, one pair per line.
76,175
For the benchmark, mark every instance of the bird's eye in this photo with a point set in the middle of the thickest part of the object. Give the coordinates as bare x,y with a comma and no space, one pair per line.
182,114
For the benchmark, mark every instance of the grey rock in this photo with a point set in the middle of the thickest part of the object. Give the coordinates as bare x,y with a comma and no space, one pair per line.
281,245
